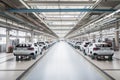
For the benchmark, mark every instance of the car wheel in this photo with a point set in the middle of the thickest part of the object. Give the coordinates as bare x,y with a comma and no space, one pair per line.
80,49
17,58
84,52
92,57
110,58
33,56
41,52
95,56
36,52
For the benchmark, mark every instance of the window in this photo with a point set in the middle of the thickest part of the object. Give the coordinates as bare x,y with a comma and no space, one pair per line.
2,30
13,32
2,40
20,33
22,40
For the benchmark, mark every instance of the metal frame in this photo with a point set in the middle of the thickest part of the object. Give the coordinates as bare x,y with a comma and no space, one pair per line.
59,10
62,3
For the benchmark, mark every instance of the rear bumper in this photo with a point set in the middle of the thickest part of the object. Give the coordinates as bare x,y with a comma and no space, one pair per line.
22,53
108,53
105,54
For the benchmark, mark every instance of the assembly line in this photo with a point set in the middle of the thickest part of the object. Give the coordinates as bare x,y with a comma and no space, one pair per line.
59,39
60,61
64,63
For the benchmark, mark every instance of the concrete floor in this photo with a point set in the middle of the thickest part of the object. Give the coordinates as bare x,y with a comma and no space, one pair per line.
10,69
110,67
61,62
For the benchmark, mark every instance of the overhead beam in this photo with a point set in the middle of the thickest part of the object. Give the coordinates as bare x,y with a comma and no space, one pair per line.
66,20
62,14
60,10
61,25
61,19
61,29
62,3
64,29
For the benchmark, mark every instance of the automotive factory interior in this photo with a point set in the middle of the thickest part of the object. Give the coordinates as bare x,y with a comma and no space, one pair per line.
59,40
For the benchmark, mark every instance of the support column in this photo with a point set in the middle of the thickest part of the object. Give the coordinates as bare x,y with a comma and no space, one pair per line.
42,38
32,36
37,38
17,37
25,37
89,36
7,39
117,36
101,36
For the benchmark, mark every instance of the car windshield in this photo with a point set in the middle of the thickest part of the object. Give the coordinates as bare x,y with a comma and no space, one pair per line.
78,43
41,43
87,43
23,45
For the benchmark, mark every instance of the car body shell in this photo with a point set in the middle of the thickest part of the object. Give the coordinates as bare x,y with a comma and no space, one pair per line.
82,46
22,51
102,51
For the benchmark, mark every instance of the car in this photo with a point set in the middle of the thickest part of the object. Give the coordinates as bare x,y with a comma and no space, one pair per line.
50,43
73,43
99,50
29,50
47,44
42,45
84,45
77,45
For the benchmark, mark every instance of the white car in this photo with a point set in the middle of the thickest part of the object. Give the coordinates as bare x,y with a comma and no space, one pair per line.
100,50
26,50
42,45
84,45
77,45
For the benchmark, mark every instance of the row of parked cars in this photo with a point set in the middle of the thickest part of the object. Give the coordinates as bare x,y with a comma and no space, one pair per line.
96,50
30,50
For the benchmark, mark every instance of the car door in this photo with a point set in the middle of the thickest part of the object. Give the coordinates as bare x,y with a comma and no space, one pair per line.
36,47
87,50
90,48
